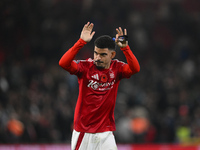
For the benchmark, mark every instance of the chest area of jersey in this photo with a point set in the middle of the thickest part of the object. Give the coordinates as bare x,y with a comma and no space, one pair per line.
101,80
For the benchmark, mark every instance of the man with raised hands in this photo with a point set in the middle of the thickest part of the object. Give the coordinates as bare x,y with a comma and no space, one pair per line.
98,80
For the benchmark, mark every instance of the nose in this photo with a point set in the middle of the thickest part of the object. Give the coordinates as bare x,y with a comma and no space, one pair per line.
98,57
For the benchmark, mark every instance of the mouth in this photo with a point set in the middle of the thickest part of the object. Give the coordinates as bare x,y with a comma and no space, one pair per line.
98,61
99,64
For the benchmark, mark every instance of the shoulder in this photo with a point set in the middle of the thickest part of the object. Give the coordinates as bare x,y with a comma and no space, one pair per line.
117,62
87,62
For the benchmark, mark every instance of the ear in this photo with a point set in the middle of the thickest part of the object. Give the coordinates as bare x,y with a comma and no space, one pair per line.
113,53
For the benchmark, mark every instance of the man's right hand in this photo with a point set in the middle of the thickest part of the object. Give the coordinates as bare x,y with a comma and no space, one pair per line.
87,33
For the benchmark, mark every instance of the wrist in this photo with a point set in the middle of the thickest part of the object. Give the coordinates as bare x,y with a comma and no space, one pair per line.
82,41
125,48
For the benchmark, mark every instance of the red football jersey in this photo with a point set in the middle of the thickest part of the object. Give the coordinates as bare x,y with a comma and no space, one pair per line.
94,110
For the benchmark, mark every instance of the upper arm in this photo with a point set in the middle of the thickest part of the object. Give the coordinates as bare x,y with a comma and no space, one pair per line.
126,71
72,68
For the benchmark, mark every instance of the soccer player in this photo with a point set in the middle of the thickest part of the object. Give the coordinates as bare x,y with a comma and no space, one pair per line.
98,80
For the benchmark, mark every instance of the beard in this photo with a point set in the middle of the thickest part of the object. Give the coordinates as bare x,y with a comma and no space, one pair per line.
100,67
99,62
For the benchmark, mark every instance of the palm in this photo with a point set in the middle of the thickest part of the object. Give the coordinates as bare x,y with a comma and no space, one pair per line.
87,33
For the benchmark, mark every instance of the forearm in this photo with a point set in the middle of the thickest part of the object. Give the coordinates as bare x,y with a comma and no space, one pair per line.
133,64
66,61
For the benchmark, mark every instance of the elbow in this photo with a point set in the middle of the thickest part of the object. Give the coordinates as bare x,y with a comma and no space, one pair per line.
61,64
137,69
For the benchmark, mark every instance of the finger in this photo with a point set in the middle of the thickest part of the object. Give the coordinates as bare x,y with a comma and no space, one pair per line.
125,32
118,32
116,38
86,25
117,35
91,25
120,29
92,34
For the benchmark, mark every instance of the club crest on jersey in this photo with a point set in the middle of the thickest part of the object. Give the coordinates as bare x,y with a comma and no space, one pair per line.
112,75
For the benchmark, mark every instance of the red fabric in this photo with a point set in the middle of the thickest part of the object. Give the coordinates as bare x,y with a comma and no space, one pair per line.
133,66
66,61
80,138
94,110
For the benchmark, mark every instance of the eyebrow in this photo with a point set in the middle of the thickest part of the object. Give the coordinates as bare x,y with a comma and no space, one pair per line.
100,53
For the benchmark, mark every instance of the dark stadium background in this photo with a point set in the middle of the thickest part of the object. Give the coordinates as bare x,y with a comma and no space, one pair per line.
160,104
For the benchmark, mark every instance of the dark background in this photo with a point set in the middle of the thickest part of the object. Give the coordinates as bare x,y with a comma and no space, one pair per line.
40,96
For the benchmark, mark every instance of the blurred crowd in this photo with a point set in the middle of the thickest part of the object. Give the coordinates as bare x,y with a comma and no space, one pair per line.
160,104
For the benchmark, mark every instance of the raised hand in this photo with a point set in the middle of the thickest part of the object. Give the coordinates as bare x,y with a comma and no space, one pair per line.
87,33
120,33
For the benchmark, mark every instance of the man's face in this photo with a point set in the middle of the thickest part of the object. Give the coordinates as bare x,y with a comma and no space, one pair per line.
103,57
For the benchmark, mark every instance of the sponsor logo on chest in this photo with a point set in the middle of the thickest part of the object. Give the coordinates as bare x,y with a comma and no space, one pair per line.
102,81
95,85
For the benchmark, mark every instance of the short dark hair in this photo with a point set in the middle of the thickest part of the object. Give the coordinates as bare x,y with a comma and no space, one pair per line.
105,41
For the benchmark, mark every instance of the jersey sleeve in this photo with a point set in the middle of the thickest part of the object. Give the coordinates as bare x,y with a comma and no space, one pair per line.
66,61
132,65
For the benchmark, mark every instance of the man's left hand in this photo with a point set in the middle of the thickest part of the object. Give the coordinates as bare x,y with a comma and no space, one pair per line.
123,43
